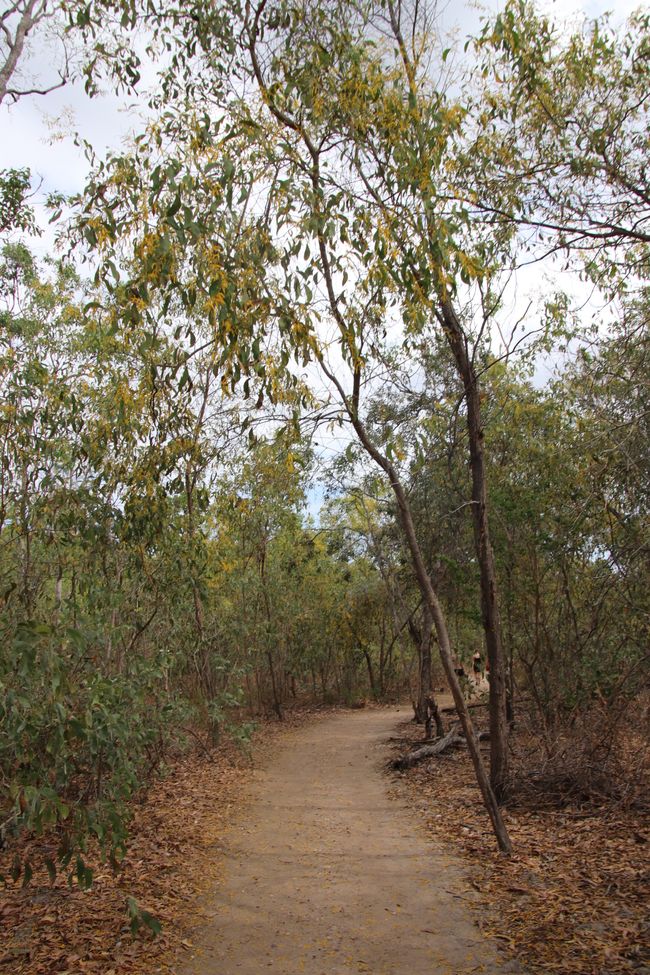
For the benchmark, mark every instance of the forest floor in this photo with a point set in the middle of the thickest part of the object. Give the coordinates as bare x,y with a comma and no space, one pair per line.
310,859
573,899
298,862
172,859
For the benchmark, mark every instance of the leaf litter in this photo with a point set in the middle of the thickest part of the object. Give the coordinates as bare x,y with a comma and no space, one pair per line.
56,928
573,899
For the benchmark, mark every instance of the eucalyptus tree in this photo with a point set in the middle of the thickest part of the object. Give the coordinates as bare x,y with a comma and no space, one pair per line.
68,716
46,44
340,106
575,606
103,546
562,116
327,156
303,193
265,184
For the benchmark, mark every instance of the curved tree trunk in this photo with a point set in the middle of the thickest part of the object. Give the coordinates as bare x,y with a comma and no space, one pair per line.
446,655
351,405
457,340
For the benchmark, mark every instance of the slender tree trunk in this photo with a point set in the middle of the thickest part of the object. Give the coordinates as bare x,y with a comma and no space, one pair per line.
433,714
58,593
203,665
446,654
323,685
489,592
277,704
73,596
428,712
510,694
260,696
425,661
430,599
249,694
277,707
371,675
421,637
26,546
429,595
382,661
457,341
351,405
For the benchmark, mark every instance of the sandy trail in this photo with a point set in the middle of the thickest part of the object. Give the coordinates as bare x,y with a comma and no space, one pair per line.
327,875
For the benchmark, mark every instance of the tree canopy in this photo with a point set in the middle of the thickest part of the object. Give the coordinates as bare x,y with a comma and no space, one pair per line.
301,276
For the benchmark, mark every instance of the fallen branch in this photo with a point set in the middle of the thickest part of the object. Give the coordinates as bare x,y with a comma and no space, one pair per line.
451,740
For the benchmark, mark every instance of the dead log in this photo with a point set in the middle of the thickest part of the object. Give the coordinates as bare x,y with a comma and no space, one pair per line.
451,740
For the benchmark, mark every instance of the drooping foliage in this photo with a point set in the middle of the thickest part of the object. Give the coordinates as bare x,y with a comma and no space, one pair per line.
316,238
160,578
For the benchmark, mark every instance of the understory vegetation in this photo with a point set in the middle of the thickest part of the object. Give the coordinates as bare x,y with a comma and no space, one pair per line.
277,427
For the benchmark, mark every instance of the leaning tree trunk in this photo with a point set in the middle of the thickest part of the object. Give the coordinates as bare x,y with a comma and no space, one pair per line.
429,595
351,405
430,600
446,655
489,593
456,338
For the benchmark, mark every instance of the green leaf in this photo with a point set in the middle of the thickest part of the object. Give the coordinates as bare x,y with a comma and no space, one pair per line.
84,874
151,922
175,207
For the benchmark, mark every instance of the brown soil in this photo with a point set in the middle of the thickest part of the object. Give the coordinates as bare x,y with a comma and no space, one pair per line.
325,874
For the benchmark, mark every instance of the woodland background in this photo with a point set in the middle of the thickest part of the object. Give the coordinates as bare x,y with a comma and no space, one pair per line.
309,277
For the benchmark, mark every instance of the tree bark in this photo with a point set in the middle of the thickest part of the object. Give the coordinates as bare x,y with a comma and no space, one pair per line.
421,636
458,343
425,584
351,405
371,674
489,591
430,599
450,740
277,707
277,704
433,714
15,46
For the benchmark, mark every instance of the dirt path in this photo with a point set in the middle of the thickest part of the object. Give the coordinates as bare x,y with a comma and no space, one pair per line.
327,875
